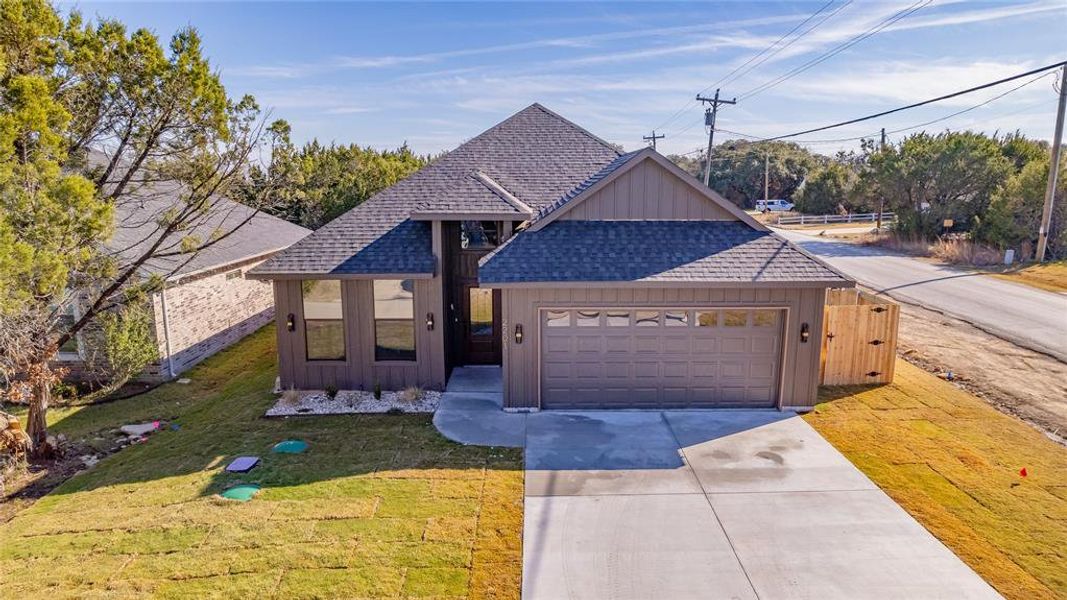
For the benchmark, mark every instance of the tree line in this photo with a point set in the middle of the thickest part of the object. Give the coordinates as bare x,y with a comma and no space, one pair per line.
990,188
97,120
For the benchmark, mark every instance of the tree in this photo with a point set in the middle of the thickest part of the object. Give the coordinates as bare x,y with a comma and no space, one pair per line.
827,191
928,178
1015,212
316,183
131,123
737,169
1021,150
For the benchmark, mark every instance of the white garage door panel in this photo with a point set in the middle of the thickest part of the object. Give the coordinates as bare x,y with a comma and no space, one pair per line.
674,358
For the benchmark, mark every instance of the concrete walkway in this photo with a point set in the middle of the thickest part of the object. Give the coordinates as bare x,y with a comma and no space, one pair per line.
703,504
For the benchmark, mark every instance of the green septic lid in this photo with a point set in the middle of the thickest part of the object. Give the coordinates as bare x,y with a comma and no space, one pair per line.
291,447
241,493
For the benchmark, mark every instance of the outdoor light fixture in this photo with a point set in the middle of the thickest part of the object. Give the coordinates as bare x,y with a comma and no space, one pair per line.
805,333
429,321
518,334
290,322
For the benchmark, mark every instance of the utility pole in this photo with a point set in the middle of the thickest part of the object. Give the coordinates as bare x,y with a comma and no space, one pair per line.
652,138
1053,171
709,120
766,176
881,196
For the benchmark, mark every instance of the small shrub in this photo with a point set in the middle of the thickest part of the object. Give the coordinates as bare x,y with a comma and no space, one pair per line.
377,390
965,252
331,392
291,397
411,394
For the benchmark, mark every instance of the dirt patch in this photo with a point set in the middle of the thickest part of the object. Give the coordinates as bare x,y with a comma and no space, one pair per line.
1017,381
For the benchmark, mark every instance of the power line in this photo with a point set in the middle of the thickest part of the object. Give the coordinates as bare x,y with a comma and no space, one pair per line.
688,103
923,103
837,49
727,79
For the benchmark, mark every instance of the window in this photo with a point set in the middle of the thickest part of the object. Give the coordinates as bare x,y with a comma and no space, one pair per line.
765,318
557,318
478,234
735,318
394,319
587,318
707,318
617,319
324,326
676,318
481,312
647,318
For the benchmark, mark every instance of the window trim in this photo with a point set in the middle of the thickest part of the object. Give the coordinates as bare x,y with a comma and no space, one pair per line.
344,333
404,362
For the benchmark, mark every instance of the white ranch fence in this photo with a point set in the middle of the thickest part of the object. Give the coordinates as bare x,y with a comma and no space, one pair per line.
887,217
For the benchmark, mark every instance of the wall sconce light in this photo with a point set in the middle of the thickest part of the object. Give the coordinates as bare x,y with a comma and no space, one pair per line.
805,333
518,334
290,322
429,321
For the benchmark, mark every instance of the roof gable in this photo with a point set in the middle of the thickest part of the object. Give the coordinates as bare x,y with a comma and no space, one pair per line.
529,159
642,185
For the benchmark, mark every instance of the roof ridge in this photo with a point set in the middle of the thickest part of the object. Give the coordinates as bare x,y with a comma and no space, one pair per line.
502,192
578,127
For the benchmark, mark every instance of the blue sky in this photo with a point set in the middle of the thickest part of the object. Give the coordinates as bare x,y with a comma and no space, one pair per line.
436,74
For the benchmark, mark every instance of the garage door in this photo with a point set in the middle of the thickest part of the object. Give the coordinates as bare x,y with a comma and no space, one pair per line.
637,358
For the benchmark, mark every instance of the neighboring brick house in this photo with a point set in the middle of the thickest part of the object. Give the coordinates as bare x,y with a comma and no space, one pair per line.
206,303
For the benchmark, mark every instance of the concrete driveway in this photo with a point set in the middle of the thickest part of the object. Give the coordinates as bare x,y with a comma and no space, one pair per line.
1027,316
702,504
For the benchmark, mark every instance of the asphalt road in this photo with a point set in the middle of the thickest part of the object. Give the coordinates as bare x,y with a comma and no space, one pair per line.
1027,316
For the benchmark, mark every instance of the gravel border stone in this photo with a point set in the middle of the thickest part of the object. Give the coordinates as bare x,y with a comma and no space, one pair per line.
353,402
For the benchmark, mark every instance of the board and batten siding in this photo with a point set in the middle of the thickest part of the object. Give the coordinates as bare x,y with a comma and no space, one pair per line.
647,191
521,306
359,370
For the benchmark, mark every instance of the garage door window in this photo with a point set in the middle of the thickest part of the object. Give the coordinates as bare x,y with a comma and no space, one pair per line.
557,318
588,318
647,318
617,319
675,318
707,318
765,318
735,318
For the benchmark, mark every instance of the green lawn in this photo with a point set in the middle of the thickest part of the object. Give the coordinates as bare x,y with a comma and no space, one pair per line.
379,506
954,463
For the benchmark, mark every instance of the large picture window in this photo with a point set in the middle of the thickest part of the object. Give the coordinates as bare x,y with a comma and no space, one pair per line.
394,319
324,326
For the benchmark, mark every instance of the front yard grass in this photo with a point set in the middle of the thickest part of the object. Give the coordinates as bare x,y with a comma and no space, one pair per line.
1051,277
378,507
954,463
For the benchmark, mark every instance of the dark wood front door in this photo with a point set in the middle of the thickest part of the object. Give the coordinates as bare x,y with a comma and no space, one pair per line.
480,314
474,333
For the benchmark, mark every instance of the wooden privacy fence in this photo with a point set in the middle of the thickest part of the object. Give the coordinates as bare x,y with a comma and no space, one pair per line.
859,338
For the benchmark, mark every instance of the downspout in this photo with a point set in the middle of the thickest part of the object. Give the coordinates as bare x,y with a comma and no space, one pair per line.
166,331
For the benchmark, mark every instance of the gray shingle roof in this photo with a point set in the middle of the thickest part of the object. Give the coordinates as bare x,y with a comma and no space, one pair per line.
136,227
652,251
535,154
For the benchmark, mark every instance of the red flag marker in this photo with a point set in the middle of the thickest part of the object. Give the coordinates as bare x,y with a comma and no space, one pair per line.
1022,472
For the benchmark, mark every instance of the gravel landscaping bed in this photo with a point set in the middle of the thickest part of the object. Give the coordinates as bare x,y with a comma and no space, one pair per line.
354,401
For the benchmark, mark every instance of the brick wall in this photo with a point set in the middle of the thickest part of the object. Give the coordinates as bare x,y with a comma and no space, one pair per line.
205,313
209,312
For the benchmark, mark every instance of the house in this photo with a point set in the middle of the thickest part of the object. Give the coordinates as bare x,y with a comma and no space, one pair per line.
206,302
595,278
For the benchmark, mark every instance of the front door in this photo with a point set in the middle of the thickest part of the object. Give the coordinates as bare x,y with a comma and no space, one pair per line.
480,315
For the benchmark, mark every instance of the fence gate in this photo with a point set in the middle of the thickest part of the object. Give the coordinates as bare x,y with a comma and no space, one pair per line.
859,338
